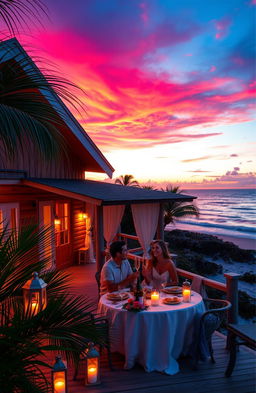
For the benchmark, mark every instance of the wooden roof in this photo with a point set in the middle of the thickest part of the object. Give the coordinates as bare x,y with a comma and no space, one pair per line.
102,193
78,139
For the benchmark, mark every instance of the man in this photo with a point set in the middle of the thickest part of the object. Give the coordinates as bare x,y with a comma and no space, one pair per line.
117,272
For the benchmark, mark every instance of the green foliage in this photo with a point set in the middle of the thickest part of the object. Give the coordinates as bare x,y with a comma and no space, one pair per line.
173,210
65,325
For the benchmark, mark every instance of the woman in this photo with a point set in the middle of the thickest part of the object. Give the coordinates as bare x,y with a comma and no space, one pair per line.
160,268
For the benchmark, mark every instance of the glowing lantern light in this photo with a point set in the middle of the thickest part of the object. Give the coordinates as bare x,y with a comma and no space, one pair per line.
92,366
34,294
186,291
59,376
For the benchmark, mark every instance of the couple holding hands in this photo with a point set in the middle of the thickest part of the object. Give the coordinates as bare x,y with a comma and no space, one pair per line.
117,273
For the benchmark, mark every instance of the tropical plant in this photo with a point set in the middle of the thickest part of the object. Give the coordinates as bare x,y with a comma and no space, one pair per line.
173,210
149,188
127,180
25,114
65,325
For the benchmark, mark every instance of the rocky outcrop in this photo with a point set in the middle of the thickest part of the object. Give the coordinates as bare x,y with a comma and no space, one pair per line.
208,245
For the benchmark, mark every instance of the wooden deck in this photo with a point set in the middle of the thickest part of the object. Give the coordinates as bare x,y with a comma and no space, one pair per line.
208,378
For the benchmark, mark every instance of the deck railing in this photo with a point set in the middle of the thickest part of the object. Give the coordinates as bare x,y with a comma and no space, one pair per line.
230,287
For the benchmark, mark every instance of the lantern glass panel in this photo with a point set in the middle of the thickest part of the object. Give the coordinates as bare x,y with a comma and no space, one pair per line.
35,302
59,382
92,370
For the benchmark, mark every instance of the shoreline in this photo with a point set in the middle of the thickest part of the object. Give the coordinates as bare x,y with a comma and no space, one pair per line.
242,242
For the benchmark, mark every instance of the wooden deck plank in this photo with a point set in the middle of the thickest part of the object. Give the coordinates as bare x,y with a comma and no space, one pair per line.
209,377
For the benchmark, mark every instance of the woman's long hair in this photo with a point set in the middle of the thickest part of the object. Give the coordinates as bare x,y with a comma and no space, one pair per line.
164,249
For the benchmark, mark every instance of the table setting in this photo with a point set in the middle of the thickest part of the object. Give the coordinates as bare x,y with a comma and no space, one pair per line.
155,332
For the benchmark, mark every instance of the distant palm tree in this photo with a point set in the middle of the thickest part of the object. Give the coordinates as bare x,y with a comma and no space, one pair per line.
127,180
173,210
149,188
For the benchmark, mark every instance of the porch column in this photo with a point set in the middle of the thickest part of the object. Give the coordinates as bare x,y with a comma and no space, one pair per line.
160,225
99,239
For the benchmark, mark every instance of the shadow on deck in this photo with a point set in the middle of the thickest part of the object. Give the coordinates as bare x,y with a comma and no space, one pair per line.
208,378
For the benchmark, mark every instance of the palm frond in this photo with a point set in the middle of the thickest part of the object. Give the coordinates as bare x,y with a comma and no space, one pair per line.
17,13
27,114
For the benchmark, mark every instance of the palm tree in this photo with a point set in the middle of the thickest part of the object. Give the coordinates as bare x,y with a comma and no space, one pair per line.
127,180
25,339
173,210
149,188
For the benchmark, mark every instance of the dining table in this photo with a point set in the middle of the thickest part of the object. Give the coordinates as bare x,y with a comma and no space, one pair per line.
156,337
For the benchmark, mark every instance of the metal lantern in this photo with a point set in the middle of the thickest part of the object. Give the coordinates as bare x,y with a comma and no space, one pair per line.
92,365
59,376
34,294
186,291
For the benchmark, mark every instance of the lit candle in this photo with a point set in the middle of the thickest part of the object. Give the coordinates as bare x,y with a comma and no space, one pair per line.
92,374
186,295
59,385
34,306
155,298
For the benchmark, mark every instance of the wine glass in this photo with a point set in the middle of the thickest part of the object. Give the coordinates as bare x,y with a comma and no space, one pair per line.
137,264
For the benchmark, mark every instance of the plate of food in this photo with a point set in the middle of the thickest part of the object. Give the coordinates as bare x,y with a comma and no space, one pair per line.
117,296
172,300
172,289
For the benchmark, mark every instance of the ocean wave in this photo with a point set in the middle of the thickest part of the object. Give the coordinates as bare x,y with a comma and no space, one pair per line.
238,228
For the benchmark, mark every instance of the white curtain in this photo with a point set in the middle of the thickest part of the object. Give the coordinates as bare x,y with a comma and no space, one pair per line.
90,209
112,216
145,218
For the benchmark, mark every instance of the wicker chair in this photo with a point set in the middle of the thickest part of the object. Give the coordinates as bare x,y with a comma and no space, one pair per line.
209,322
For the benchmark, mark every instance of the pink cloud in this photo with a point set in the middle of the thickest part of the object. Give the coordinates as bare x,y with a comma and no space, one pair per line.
222,26
213,68
134,106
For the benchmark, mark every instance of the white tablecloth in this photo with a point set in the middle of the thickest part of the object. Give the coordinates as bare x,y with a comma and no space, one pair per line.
155,338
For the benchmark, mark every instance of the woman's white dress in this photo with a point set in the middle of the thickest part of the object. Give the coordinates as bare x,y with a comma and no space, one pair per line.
158,279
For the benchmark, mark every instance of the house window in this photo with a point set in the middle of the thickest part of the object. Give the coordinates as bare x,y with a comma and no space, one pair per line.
62,228
9,216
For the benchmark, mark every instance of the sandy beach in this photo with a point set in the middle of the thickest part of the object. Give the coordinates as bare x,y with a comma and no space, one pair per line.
246,244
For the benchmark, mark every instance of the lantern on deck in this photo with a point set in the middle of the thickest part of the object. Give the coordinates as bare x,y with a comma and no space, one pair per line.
92,365
59,376
34,294
186,291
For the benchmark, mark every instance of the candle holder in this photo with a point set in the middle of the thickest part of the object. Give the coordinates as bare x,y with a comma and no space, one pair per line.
155,298
34,295
59,376
186,291
92,365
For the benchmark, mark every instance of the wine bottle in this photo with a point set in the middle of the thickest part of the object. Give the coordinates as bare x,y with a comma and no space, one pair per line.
139,291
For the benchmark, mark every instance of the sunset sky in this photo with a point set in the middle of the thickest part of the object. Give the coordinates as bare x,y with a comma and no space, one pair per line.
170,84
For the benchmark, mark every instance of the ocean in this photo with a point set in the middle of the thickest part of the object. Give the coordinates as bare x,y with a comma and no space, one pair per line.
230,213
223,212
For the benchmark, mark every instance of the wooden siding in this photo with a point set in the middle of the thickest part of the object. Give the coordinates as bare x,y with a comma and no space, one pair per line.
30,161
78,225
28,199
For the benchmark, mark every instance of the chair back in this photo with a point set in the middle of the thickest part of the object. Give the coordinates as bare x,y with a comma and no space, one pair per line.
97,278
